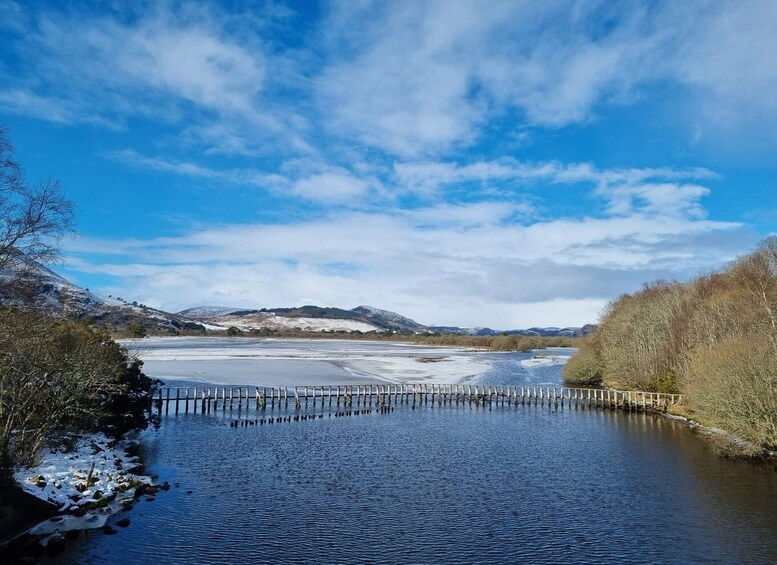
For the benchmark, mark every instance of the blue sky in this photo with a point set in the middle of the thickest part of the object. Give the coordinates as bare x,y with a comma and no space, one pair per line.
506,164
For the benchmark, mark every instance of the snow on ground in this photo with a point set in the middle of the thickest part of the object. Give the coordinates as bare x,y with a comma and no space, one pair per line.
61,478
270,320
277,362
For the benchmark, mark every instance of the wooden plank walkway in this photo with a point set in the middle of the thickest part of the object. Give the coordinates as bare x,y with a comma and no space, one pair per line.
206,399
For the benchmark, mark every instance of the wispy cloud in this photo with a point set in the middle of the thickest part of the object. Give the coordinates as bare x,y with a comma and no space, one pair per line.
420,83
395,76
163,64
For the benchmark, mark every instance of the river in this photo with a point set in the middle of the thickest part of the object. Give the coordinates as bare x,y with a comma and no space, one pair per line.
442,484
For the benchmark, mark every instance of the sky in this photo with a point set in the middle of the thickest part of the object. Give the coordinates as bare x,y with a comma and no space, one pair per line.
502,164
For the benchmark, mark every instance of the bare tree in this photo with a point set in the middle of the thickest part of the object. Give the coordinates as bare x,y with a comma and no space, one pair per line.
33,218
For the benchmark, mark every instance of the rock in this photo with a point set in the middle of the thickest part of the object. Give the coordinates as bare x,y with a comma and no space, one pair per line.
123,523
55,545
109,531
150,499
165,486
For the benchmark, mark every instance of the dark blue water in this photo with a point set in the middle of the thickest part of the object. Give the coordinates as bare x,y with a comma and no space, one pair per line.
441,484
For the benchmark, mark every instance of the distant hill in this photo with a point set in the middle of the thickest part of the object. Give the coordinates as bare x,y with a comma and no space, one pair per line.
540,332
361,318
306,318
45,290
204,312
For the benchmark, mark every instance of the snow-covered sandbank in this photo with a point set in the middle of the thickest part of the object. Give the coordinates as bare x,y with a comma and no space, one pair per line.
287,362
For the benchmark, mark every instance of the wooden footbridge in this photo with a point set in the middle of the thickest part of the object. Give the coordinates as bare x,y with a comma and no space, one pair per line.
211,398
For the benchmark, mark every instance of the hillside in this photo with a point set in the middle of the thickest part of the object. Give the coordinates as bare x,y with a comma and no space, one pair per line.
43,289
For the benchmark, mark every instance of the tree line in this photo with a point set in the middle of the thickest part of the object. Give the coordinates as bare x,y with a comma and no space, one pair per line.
488,342
713,338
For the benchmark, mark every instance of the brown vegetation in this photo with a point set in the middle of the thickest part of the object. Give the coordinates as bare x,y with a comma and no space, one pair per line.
713,338
494,343
58,375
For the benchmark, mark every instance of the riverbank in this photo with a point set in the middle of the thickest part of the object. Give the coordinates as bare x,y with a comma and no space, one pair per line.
725,443
78,487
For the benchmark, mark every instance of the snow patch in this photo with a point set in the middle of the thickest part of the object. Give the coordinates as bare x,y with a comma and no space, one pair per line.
61,479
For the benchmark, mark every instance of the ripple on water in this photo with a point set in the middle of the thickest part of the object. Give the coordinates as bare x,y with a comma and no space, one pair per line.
443,484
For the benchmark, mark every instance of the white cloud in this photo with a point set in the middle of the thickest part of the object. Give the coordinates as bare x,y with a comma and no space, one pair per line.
647,190
315,182
334,186
186,66
656,191
413,79
725,50
468,267
423,78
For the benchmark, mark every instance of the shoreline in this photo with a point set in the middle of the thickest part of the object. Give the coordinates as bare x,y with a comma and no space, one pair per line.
726,443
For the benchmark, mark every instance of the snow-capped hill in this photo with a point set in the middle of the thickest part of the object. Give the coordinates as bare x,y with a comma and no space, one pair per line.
372,311
252,320
42,288
388,319
32,285
204,312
